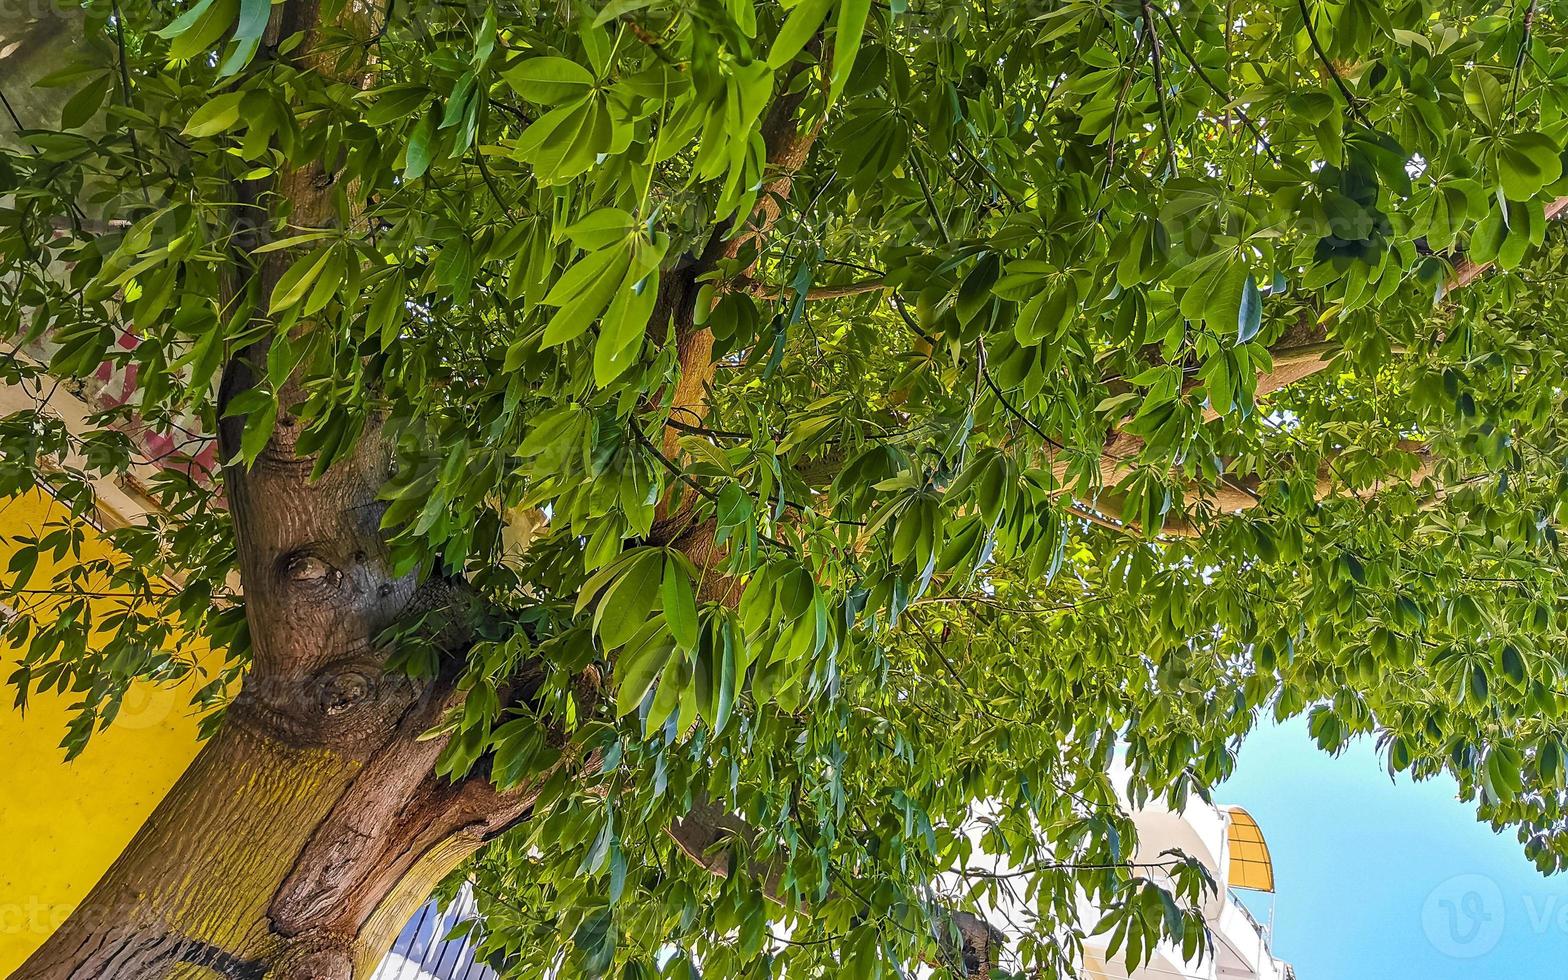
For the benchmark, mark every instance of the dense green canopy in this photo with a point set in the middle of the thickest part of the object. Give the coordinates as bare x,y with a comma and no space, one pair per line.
853,412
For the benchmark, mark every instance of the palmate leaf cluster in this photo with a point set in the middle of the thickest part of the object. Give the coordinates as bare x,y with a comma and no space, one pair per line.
1026,239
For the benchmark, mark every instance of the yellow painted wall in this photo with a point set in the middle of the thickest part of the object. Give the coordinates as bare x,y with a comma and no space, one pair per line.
61,824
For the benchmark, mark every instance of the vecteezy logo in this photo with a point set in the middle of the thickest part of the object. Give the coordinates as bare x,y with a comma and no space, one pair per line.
1463,916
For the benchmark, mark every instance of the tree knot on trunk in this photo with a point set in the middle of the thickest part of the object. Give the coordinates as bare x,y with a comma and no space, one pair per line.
351,704
344,690
309,574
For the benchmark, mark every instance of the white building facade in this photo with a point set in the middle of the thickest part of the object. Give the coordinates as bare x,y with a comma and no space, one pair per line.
1225,840
1231,846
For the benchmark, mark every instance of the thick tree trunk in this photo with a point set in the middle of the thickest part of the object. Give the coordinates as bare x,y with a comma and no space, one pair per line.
308,831
196,884
271,859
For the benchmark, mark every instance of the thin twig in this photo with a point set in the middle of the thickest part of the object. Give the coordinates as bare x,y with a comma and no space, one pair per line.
1204,75
1159,85
925,189
1317,46
1524,48
1116,117
935,650
125,92
495,192
386,22
967,152
702,430
1020,416
15,120
692,482
764,290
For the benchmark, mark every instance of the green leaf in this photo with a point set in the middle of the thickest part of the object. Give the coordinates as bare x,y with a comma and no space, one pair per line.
292,241
1249,316
635,670
84,105
22,566
220,114
549,80
595,943
259,424
1484,96
626,604
796,30
852,16
626,319
1526,162
584,292
385,316
564,141
731,672
328,280
673,683
421,147
248,33
680,604
395,102
196,30
600,228
616,9
1223,292
293,285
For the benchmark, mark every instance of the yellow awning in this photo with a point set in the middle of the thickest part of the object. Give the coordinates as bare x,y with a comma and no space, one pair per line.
1250,864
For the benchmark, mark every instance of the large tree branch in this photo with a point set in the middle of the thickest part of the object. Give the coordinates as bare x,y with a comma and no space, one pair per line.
1302,351
709,835
315,569
788,144
1235,495
1307,350
321,589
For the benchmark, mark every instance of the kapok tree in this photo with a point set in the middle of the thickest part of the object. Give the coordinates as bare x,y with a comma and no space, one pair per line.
794,438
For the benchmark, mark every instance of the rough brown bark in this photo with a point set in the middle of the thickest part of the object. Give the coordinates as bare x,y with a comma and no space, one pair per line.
307,832
277,856
1304,350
